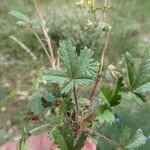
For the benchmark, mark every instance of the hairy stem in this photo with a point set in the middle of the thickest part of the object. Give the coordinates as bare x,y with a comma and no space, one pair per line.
40,41
103,53
35,130
48,40
103,138
76,102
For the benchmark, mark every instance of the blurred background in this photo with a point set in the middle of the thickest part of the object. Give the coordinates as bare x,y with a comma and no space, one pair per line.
130,32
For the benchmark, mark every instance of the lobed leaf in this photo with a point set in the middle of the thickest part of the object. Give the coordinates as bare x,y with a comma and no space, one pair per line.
63,137
55,76
105,115
139,139
69,57
36,104
143,76
130,69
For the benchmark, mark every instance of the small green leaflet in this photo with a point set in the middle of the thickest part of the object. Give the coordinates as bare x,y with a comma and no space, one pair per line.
19,15
125,136
41,100
111,95
143,88
79,141
130,69
55,76
130,96
36,104
69,57
143,76
105,115
138,140
23,19
48,98
64,138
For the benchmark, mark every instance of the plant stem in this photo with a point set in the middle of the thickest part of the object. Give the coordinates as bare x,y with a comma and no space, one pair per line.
48,40
94,87
76,102
98,79
103,138
40,41
35,130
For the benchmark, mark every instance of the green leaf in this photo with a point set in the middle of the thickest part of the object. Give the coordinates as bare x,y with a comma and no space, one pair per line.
125,136
115,96
79,141
83,80
67,87
139,139
111,95
48,98
63,137
21,23
143,88
19,15
69,57
55,76
79,70
138,81
130,69
143,76
130,96
105,115
86,64
36,104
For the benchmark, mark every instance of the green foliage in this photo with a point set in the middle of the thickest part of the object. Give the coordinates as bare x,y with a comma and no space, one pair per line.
105,115
143,74
23,19
138,140
19,15
138,78
41,100
79,69
64,138
130,69
109,97
36,104
79,141
125,136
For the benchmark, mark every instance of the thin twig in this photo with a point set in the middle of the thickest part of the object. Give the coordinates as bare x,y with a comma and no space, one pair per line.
40,41
34,130
104,51
44,28
98,79
23,46
103,138
94,87
76,102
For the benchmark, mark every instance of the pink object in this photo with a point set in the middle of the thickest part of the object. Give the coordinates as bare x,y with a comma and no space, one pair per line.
89,145
42,142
